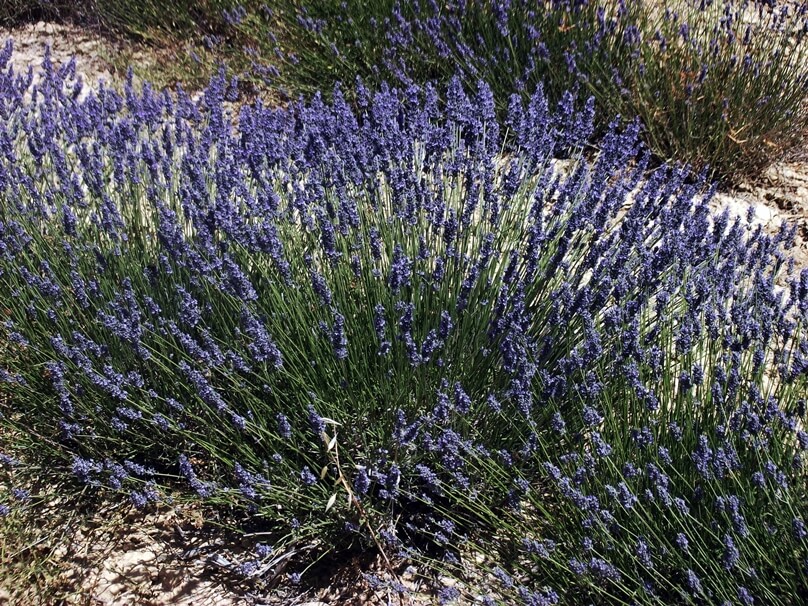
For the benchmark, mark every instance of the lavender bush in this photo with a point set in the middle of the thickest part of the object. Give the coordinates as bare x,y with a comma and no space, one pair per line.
397,327
718,84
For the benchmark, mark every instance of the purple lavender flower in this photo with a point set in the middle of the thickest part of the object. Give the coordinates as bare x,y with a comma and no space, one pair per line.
601,447
405,433
543,548
262,347
138,499
622,493
732,506
191,313
702,457
603,570
798,529
379,322
428,477
462,401
447,595
307,477
83,469
643,552
315,420
8,460
203,489
731,553
321,288
392,480
284,427
375,243
400,270
20,494
339,340
592,417
745,597
361,482
446,325
262,550
693,582
557,423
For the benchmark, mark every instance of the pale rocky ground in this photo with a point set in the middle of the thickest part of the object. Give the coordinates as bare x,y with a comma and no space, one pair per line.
781,195
114,555
117,557
91,52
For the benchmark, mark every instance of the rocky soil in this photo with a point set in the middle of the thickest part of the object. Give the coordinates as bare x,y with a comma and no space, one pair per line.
780,195
92,53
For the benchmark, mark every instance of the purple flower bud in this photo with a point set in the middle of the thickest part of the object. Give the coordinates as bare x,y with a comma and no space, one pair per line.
307,477
731,553
361,482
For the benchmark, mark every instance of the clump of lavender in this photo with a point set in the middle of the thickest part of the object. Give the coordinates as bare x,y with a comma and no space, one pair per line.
402,303
719,84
